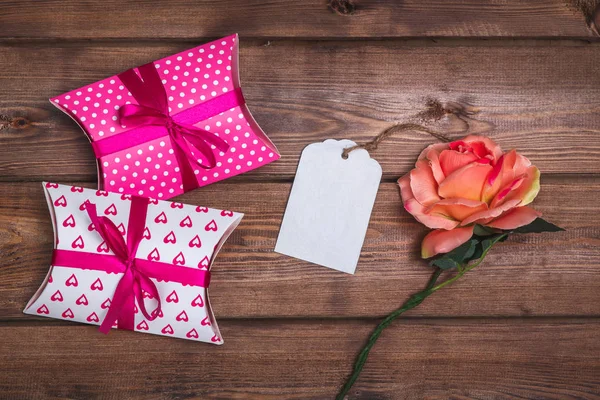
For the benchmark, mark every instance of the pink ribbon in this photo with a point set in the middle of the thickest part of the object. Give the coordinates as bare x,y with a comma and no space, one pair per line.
150,119
136,271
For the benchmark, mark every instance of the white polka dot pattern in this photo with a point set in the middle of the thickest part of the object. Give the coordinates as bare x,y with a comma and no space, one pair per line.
190,78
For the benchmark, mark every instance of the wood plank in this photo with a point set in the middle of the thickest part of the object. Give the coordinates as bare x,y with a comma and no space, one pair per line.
541,98
281,18
470,359
542,275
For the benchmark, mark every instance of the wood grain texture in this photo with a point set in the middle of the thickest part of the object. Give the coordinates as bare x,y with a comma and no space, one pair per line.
537,275
525,324
543,99
265,359
281,18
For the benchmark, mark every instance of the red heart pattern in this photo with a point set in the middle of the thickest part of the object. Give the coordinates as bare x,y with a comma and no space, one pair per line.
170,238
154,255
161,218
173,297
43,310
186,222
182,316
84,205
193,333
76,291
105,304
69,222
78,243
198,302
204,263
82,300
167,330
72,281
211,226
97,285
93,317
57,296
102,248
195,242
111,210
61,201
142,326
179,259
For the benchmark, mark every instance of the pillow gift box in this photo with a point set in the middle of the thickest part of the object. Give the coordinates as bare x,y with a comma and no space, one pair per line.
130,262
172,125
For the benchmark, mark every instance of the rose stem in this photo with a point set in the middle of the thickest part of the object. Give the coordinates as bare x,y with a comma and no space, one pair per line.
411,303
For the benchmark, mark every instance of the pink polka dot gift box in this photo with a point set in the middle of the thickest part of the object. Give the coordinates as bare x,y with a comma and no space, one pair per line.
131,262
171,125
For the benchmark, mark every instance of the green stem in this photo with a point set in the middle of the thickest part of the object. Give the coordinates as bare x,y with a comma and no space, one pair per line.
411,303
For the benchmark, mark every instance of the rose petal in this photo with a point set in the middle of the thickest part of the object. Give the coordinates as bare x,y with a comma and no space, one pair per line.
515,218
443,241
491,146
451,160
487,215
423,184
501,197
432,154
405,190
466,183
431,221
514,166
436,148
418,211
457,209
528,189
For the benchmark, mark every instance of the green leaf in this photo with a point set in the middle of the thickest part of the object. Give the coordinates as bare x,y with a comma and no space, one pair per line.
481,230
467,252
455,257
537,226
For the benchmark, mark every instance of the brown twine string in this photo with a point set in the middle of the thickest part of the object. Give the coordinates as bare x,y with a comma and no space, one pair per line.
372,145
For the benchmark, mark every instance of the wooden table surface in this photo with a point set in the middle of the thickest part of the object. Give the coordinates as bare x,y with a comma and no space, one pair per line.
526,324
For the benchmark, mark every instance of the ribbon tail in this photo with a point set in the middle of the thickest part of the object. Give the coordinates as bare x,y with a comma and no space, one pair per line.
143,282
201,146
188,176
121,307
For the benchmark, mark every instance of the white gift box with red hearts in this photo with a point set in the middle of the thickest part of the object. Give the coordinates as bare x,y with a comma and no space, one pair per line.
179,234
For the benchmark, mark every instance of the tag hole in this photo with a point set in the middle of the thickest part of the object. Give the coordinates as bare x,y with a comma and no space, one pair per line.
344,156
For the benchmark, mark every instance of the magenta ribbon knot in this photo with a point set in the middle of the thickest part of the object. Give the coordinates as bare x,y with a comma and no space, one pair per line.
136,271
135,279
151,119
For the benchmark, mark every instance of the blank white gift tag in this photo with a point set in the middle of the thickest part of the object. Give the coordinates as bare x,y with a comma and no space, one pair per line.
330,204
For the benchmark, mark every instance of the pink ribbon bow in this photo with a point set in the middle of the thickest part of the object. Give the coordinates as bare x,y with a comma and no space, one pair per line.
151,119
136,271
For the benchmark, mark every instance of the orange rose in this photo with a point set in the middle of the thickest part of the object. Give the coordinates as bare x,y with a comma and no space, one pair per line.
470,181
